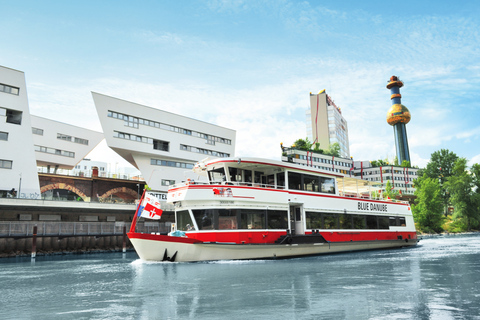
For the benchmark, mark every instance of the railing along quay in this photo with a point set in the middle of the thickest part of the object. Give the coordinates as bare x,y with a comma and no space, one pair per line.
14,229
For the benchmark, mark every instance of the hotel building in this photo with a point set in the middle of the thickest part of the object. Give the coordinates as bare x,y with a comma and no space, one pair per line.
325,123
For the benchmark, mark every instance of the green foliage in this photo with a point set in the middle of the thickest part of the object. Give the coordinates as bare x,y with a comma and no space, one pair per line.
464,195
390,192
303,144
405,164
440,167
428,207
379,163
334,150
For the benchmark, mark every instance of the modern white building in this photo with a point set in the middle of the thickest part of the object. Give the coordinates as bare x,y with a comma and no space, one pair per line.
59,145
18,169
400,178
164,146
325,123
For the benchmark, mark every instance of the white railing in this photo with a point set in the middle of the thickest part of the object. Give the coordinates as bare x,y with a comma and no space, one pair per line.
54,228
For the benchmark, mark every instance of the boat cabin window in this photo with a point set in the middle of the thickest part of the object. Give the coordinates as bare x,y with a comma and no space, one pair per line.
258,177
252,219
184,222
216,175
281,180
231,219
307,182
205,219
322,220
235,174
248,177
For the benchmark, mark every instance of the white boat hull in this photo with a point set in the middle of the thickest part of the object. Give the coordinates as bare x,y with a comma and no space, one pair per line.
157,250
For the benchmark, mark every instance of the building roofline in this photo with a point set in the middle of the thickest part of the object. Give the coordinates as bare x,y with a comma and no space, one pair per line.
157,109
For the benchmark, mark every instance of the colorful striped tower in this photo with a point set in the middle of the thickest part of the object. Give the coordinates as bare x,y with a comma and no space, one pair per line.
398,116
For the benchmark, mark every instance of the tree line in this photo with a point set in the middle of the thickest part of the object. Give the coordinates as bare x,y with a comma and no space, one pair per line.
448,195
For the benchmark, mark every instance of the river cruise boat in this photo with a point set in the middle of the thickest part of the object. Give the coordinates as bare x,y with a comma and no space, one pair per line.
248,208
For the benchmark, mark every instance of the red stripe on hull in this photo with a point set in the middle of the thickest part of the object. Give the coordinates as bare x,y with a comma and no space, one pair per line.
266,237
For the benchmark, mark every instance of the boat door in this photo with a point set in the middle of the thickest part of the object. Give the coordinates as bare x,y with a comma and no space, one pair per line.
296,219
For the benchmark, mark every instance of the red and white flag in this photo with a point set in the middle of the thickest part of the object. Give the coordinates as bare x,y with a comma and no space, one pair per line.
151,207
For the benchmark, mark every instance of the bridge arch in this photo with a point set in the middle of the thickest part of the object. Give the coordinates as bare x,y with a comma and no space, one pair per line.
65,186
121,192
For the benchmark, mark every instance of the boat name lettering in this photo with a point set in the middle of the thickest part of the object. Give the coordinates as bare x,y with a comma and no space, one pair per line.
372,206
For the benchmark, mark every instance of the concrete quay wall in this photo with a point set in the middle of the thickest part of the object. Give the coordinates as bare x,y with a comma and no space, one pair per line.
69,227
12,247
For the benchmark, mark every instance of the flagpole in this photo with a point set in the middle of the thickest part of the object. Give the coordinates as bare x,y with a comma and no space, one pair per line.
134,221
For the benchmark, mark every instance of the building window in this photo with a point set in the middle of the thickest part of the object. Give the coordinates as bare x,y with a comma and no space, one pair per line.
14,117
37,131
165,163
6,164
204,151
134,122
168,182
9,89
4,136
160,145
64,137
81,141
55,151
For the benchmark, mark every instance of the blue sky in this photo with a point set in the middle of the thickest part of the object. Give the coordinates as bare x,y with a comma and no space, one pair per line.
250,65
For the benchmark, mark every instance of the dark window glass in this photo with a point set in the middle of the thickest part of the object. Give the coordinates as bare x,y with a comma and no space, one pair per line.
184,222
294,181
277,219
392,221
311,183
383,222
281,180
346,221
372,222
314,220
358,221
402,222
330,221
227,219
252,219
205,219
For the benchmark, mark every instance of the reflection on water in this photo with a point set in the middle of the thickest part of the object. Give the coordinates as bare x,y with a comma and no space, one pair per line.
438,279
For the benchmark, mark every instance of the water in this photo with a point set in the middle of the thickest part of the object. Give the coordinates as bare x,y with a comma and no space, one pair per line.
439,279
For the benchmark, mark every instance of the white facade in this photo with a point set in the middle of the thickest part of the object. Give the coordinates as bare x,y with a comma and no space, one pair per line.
400,178
325,123
59,145
164,146
18,167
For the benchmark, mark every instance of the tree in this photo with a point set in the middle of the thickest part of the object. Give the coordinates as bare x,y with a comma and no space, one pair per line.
440,167
462,186
303,144
334,150
428,207
390,191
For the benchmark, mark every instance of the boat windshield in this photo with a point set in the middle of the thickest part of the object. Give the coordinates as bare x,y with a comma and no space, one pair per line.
217,175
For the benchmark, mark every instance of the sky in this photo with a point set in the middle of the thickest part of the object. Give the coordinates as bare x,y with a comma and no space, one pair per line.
250,66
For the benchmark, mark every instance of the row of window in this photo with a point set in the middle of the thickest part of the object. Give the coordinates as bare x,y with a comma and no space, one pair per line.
6,164
389,178
165,163
232,219
322,160
370,172
306,182
134,122
55,151
204,151
4,136
66,137
322,220
37,131
9,89
228,219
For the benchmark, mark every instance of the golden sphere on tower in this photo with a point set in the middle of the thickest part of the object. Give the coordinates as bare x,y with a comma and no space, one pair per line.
398,113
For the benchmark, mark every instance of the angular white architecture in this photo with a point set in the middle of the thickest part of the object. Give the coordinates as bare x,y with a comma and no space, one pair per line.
59,145
164,146
18,168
